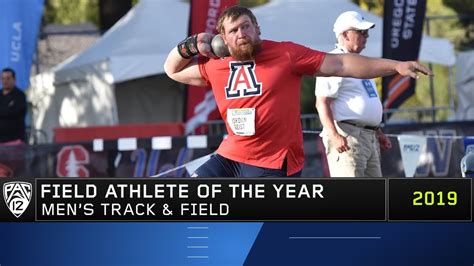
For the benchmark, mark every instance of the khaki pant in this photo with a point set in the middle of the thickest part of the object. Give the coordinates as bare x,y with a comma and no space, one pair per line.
362,160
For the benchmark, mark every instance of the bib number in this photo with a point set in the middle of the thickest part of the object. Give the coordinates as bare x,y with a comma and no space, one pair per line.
242,121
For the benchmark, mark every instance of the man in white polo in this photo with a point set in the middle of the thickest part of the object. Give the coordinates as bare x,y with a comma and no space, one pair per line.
350,109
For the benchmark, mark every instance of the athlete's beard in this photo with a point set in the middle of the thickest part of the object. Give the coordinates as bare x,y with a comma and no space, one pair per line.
246,52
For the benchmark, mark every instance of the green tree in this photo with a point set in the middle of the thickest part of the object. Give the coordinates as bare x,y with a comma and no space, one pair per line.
374,6
71,12
252,3
80,11
466,9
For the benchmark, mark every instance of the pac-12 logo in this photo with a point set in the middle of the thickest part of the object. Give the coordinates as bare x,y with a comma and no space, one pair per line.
17,196
411,148
242,81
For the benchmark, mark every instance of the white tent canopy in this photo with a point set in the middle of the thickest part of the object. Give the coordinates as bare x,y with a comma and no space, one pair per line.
310,23
116,79
464,85
89,88
139,43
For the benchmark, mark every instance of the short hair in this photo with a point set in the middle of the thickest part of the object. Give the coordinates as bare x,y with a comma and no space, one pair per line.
7,69
233,13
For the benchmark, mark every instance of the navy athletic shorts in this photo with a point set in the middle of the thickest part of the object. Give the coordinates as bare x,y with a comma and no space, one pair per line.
219,166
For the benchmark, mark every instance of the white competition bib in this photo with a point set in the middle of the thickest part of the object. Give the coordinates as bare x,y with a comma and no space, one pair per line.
242,121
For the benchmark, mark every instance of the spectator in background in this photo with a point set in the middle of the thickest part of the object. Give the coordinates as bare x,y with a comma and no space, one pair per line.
350,109
467,164
12,110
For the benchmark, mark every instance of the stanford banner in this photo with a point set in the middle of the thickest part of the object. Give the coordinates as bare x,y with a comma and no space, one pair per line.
201,105
402,31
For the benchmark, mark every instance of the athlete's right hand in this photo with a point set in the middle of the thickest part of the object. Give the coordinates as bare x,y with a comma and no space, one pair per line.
339,142
204,44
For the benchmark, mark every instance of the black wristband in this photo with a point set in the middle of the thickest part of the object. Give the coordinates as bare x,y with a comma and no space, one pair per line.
187,48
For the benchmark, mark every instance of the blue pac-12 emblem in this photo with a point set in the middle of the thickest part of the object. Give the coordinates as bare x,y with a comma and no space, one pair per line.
369,88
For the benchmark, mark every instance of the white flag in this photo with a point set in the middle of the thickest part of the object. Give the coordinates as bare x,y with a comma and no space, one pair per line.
190,166
411,147
194,164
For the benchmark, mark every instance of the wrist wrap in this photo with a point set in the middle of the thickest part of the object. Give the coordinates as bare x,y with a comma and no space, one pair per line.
187,48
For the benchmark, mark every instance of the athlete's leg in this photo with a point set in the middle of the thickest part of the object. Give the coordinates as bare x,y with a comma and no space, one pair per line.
255,171
216,166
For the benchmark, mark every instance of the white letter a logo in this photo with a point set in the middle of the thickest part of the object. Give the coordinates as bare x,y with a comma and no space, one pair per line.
242,81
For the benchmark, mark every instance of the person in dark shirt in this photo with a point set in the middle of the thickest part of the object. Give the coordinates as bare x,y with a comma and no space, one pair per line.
12,109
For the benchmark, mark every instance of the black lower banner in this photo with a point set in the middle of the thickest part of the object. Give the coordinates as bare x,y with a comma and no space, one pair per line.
421,199
236,199
217,199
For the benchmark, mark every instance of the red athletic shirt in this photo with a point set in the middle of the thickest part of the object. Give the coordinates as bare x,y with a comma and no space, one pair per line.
271,85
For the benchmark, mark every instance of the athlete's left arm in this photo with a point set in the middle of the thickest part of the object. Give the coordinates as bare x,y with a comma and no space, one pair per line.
357,66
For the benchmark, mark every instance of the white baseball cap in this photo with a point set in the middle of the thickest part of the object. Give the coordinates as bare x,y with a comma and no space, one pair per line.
351,20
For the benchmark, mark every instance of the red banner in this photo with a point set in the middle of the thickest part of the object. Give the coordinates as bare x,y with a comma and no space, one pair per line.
201,105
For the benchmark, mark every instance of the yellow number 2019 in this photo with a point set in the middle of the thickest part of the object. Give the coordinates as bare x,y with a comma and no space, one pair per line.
428,198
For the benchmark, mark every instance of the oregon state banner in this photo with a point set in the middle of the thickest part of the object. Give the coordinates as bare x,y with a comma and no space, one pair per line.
200,103
402,31
19,25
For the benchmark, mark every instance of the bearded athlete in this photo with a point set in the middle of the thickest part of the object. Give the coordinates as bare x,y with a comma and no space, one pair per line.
257,90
